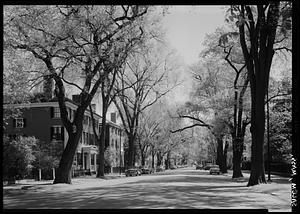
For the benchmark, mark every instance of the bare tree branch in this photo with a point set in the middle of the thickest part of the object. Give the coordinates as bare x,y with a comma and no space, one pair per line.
188,127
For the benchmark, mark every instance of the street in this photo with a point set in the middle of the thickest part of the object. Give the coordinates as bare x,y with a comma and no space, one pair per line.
184,188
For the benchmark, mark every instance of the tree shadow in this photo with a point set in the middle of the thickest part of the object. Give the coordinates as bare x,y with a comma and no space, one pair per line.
178,191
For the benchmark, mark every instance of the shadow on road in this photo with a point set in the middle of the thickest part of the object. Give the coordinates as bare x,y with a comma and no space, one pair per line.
189,190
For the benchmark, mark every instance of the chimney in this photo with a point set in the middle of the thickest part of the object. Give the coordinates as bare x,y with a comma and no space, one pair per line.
76,98
113,117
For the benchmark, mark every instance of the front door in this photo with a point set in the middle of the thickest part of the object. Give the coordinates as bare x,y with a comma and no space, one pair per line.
85,160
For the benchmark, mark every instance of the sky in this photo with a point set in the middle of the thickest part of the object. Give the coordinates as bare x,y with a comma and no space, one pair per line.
187,25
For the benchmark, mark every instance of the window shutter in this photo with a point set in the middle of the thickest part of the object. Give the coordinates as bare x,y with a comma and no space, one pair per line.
51,112
14,122
51,133
62,133
24,122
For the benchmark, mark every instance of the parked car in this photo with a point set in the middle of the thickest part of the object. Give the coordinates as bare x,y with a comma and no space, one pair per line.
208,166
131,172
199,166
147,170
160,169
173,167
214,169
139,171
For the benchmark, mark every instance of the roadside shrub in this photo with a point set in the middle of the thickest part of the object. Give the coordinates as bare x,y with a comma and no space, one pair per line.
17,157
109,157
45,159
280,167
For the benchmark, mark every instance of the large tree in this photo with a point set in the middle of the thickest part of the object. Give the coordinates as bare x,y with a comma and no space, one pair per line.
224,44
148,131
260,23
149,70
211,99
110,70
74,40
16,87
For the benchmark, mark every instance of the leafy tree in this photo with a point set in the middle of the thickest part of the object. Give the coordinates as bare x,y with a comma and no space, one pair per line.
281,122
210,100
110,157
148,130
67,42
219,130
260,23
232,54
15,84
17,157
144,80
47,156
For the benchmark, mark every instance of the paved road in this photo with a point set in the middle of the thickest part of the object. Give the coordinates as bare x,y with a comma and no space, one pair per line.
180,189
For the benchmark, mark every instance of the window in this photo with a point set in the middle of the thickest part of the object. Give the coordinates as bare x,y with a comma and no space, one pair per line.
57,133
75,160
92,139
19,123
92,159
56,112
79,158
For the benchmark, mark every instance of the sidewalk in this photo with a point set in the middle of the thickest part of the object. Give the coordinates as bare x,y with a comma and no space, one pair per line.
29,183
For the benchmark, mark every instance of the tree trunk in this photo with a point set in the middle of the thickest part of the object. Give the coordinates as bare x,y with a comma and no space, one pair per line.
131,151
153,156
101,145
143,158
258,61
159,159
257,130
63,174
237,148
167,161
135,154
220,155
225,156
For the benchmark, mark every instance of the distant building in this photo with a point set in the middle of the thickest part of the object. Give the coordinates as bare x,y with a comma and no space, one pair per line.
42,120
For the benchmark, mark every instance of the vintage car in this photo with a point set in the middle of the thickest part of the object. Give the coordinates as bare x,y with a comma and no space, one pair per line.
199,166
146,170
160,169
131,172
208,166
214,169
